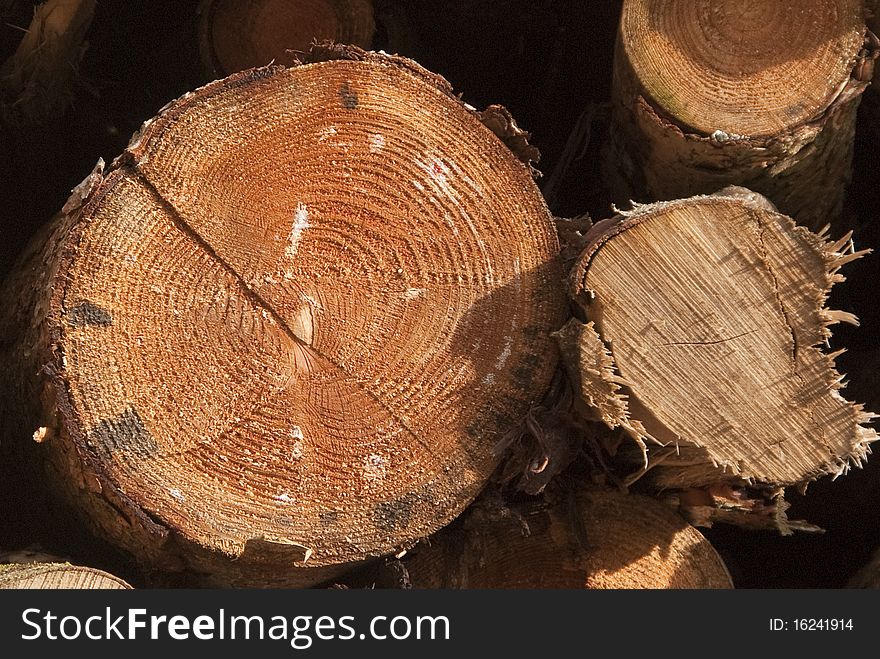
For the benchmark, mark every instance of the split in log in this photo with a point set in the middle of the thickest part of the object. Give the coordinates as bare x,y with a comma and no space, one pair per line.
53,576
703,321
241,34
285,331
587,539
709,94
36,83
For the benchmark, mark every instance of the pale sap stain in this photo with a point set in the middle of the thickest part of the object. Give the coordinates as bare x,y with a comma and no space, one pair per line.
303,324
505,354
374,467
438,173
176,494
413,293
300,224
489,379
312,302
327,133
377,143
451,223
296,451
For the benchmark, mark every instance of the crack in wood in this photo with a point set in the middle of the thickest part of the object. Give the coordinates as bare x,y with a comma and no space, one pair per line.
309,352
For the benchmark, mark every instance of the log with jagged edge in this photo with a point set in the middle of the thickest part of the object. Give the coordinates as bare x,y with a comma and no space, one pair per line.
239,34
584,539
700,337
56,576
285,330
708,94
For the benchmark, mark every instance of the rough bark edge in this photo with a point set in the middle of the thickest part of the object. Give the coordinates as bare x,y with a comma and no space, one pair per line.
495,118
544,443
850,88
761,508
834,259
722,158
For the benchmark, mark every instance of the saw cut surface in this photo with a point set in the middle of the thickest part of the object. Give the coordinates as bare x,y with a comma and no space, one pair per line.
745,67
304,309
57,576
713,311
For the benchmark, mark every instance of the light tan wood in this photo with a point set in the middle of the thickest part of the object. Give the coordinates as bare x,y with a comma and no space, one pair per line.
55,576
707,316
240,34
763,93
595,540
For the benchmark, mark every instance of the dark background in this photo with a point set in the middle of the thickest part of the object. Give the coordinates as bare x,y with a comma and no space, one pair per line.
549,62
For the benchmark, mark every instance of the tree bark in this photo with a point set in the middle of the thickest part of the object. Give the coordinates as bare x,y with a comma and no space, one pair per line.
283,333
36,83
712,95
54,576
873,7
236,35
586,539
699,337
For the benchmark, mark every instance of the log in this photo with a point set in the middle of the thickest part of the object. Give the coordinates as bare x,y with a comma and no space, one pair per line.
710,94
283,332
239,34
54,576
37,82
699,335
587,539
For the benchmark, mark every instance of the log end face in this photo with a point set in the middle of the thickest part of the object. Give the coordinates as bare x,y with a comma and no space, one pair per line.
759,289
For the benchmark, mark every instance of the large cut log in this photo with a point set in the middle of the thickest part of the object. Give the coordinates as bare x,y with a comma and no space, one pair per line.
285,330
701,332
714,93
239,34
57,576
587,539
